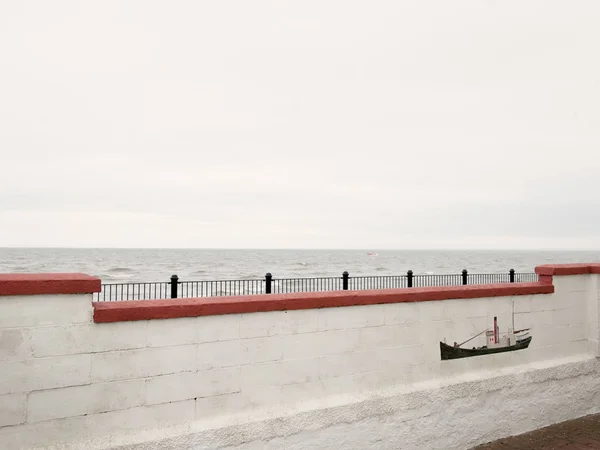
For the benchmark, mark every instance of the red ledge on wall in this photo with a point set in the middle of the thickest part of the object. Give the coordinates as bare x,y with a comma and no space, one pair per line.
567,269
194,307
48,283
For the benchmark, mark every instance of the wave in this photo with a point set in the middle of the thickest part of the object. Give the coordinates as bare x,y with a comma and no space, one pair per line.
199,272
20,268
121,270
252,276
116,276
119,273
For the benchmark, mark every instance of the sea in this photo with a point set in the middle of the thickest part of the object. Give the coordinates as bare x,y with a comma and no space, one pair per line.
148,265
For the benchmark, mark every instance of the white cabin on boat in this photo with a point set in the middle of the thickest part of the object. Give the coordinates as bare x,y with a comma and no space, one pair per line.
494,340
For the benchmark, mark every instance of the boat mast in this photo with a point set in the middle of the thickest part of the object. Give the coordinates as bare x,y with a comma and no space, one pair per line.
513,315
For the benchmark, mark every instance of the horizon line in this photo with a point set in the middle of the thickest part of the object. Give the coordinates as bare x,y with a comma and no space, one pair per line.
545,249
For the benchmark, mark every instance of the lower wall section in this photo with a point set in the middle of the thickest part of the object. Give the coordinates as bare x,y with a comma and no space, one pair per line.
456,413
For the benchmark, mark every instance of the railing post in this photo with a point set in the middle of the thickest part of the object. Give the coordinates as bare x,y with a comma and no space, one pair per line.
409,278
465,275
268,280
174,283
345,277
511,275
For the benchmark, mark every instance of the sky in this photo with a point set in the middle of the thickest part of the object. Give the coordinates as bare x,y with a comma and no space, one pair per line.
300,124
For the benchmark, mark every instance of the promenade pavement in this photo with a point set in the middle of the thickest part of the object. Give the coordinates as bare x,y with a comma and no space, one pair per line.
578,434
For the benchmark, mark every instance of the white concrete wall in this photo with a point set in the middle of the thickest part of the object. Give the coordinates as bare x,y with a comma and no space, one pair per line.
64,378
593,313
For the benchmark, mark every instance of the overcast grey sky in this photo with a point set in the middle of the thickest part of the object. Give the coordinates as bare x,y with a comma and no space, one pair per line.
300,124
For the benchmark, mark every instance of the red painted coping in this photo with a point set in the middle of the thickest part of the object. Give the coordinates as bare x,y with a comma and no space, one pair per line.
48,283
194,307
568,269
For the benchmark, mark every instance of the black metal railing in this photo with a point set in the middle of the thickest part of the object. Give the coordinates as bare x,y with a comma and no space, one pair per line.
285,285
270,285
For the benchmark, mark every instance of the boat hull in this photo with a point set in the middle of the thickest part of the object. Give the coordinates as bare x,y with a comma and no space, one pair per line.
450,352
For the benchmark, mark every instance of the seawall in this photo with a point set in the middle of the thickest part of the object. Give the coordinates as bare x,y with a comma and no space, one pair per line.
355,369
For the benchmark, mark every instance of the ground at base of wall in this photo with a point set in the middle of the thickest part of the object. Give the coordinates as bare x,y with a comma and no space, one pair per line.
580,434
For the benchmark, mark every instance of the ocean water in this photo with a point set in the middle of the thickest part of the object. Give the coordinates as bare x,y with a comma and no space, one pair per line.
144,265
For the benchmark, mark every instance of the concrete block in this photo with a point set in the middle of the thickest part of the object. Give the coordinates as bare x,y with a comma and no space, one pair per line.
261,324
40,310
192,330
549,302
279,322
577,332
14,344
163,333
12,409
521,357
550,335
239,352
353,384
219,354
151,416
332,366
434,332
81,400
541,352
225,327
279,373
221,405
592,304
57,403
392,358
401,376
320,344
259,398
541,318
459,367
434,311
566,284
428,372
431,351
192,385
44,373
259,350
562,350
344,318
593,331
471,308
397,313
88,338
128,364
210,383
570,316
170,388
298,393
383,336
522,303
575,348
499,306
408,334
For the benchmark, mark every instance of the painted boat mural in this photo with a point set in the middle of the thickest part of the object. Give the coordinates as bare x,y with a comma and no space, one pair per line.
511,341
